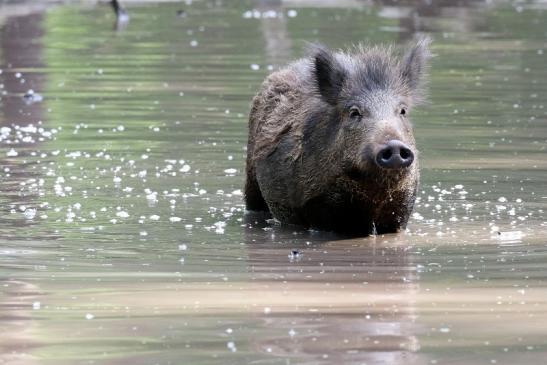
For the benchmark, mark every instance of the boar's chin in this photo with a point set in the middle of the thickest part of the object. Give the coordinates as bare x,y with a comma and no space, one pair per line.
373,175
377,184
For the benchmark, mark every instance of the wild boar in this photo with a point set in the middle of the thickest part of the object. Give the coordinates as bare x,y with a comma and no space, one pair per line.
331,145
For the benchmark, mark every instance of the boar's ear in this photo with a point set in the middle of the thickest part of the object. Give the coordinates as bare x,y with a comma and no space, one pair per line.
414,64
329,74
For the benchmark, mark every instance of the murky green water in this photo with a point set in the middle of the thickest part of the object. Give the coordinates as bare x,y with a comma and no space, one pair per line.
123,238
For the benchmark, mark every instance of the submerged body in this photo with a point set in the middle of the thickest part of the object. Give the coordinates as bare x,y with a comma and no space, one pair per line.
330,143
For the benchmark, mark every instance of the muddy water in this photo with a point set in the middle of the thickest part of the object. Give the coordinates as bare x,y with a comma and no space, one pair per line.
123,238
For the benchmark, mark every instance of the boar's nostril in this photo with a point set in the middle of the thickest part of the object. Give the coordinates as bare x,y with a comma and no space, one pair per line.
395,155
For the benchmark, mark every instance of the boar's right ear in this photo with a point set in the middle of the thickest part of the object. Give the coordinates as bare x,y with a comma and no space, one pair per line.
329,74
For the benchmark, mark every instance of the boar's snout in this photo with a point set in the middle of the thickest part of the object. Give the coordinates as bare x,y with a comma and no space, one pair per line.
394,155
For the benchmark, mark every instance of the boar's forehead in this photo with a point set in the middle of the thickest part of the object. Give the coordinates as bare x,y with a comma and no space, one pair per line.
372,76
380,104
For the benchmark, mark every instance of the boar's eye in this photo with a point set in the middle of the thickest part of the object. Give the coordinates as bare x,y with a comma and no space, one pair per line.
403,111
354,112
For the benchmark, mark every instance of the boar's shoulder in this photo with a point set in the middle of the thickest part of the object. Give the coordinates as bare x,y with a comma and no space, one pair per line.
280,108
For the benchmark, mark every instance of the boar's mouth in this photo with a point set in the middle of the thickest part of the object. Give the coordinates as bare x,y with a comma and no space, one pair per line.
374,185
375,175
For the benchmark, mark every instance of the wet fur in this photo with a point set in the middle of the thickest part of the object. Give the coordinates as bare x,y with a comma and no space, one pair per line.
308,165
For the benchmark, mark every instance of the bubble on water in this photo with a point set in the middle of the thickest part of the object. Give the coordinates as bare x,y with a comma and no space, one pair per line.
183,247
143,233
194,43
185,168
510,236
12,153
30,213
231,345
417,216
292,13
154,217
5,132
122,214
117,180
219,227
267,310
89,316
231,171
295,255
237,192
255,67
292,332
174,219
152,196
32,97
502,199
36,305
444,330
202,191
249,14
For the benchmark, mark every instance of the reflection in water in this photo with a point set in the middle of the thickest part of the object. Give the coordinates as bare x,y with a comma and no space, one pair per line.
20,42
139,250
16,338
122,16
354,300
273,24
20,119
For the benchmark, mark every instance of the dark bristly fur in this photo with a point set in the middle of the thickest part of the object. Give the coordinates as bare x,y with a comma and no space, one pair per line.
311,160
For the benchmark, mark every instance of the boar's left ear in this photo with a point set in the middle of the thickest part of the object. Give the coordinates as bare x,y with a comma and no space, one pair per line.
415,62
329,74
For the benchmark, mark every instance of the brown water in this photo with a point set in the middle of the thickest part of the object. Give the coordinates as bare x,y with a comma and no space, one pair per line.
123,236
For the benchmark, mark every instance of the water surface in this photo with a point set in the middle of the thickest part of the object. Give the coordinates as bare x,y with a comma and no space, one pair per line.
123,236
